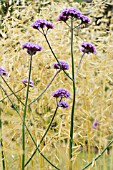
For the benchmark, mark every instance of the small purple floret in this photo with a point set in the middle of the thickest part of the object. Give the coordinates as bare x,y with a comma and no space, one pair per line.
63,65
31,48
3,72
69,12
95,124
88,48
61,92
61,17
25,81
41,23
63,104
85,19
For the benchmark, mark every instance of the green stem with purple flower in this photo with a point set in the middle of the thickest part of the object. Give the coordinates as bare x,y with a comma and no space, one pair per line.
73,104
24,115
55,56
59,93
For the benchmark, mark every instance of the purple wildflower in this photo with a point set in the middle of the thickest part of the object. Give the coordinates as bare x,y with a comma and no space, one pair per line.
63,104
95,124
88,48
61,17
25,81
85,19
67,13
61,93
3,71
63,65
41,23
31,48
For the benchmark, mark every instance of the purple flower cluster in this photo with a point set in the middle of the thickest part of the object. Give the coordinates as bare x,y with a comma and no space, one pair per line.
73,12
85,19
61,92
95,124
31,48
63,104
67,13
63,65
25,81
88,48
3,71
41,23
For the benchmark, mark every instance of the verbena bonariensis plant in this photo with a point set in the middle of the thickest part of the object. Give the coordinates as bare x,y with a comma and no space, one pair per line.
68,16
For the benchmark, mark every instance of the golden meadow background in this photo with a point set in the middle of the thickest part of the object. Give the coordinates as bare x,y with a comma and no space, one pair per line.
94,100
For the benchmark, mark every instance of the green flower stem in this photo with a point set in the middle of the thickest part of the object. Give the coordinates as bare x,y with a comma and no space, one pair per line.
95,159
12,93
29,131
68,25
74,76
24,116
1,141
79,64
77,26
11,90
55,56
42,137
45,88
73,104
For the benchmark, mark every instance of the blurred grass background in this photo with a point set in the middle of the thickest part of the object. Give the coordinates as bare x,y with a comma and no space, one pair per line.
94,99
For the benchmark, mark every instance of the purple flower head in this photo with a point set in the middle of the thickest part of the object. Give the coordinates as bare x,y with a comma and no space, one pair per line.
25,81
61,17
67,13
3,71
88,48
49,25
41,23
31,48
63,64
85,19
61,93
63,104
95,124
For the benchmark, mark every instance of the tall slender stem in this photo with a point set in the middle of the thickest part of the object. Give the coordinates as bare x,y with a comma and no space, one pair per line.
11,90
1,142
79,64
12,93
24,116
29,130
73,104
42,137
55,56
45,88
